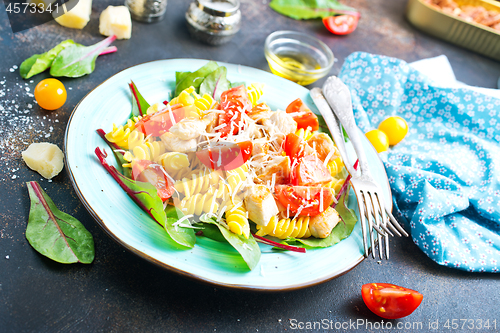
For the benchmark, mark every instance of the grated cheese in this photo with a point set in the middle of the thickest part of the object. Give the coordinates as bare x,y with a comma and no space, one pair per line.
328,157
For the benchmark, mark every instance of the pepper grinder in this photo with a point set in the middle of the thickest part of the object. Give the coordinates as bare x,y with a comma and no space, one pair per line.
147,10
214,21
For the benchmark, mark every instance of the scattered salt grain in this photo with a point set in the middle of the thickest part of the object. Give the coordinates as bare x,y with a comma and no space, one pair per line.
7,257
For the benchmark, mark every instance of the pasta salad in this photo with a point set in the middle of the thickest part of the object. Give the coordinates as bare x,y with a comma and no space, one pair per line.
216,160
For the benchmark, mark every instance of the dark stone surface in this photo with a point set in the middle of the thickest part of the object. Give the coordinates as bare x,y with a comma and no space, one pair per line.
120,292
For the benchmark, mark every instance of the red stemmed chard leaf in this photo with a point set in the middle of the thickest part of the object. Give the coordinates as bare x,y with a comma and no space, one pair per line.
118,152
55,234
139,104
78,60
144,194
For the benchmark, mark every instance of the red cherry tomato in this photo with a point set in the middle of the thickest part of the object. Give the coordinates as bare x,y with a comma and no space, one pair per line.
390,301
310,171
160,122
233,101
312,200
341,24
293,146
230,118
237,93
225,155
149,172
303,115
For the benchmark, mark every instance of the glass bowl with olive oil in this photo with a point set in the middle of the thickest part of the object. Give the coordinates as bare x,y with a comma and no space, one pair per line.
298,57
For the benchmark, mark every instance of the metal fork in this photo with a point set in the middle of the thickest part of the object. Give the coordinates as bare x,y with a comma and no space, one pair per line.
370,202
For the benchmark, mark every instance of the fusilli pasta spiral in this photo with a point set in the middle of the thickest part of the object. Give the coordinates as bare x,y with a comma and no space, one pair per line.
173,161
304,134
200,203
145,151
200,182
255,91
297,228
236,219
121,134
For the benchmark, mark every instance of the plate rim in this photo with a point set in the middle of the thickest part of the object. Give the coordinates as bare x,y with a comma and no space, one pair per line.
172,268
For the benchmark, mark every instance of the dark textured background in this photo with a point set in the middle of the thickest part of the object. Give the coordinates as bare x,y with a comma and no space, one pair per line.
120,292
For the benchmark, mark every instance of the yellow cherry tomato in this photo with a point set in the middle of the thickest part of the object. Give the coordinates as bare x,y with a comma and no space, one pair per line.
378,139
396,129
50,94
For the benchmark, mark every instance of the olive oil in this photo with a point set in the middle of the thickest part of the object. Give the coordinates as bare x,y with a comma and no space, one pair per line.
294,67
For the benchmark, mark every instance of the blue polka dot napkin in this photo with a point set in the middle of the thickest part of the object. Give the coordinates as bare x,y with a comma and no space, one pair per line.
445,175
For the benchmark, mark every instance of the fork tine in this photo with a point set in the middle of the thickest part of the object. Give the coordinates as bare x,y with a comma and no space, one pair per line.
363,222
380,201
377,214
395,223
370,223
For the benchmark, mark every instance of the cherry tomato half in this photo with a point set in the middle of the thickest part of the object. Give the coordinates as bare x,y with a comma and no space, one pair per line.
293,146
160,122
395,128
149,172
378,139
390,301
50,94
303,115
225,155
312,200
341,24
310,170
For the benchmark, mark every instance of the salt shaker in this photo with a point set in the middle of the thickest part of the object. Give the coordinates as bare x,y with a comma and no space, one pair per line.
147,10
214,21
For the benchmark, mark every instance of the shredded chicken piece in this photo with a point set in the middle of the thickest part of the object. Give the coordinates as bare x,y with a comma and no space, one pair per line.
190,128
176,144
323,144
279,166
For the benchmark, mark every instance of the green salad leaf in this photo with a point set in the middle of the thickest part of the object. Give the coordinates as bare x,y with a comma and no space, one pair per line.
38,63
179,76
181,235
309,9
247,248
323,127
55,234
78,60
118,153
215,83
194,79
144,194
139,104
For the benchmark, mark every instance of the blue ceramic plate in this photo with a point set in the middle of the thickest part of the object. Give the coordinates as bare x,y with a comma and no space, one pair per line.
126,223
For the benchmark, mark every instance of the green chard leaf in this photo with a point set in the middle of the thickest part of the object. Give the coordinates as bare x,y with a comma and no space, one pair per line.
118,152
215,83
247,248
55,234
194,79
181,235
237,84
144,194
179,76
139,104
308,9
38,63
78,60
341,231
323,127
210,231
